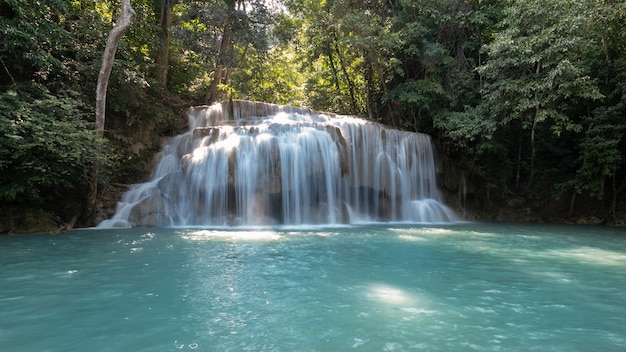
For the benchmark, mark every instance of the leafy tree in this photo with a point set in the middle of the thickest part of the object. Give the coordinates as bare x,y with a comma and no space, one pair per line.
33,39
601,148
46,145
534,75
50,52
214,38
417,89
270,77
333,66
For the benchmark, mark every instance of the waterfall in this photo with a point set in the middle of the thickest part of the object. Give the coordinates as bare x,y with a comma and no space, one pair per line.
247,163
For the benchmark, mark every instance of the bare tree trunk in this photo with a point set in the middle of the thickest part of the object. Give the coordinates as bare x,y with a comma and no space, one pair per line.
355,109
331,61
219,76
223,62
127,16
533,148
162,55
221,68
616,192
518,167
613,197
572,204
371,107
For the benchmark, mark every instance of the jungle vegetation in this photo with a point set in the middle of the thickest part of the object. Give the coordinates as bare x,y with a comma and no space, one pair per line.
527,96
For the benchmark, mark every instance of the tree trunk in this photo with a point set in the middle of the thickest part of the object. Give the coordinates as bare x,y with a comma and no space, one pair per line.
533,148
353,103
518,167
572,204
222,66
613,198
372,110
127,16
162,56
331,61
616,192
221,70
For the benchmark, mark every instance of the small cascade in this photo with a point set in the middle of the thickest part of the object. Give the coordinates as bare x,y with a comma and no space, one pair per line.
245,163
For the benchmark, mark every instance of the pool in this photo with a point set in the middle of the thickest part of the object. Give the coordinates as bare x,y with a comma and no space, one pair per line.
379,287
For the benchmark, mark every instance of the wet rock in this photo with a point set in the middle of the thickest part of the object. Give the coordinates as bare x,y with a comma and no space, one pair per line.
516,202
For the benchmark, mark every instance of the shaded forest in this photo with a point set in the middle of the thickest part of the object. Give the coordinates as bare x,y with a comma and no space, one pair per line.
525,99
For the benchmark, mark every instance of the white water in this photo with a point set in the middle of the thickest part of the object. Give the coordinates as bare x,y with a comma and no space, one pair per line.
246,163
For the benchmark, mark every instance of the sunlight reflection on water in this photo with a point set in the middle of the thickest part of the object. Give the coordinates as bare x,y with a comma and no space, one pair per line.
209,235
586,254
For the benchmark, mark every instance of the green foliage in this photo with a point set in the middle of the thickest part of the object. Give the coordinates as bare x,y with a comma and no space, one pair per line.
414,98
209,35
516,88
534,64
46,147
536,82
600,153
30,32
469,130
270,78
335,47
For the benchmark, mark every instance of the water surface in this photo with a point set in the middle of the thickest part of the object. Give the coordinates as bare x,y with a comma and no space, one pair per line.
483,287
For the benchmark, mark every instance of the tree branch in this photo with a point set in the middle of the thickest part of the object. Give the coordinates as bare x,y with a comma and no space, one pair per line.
8,73
127,16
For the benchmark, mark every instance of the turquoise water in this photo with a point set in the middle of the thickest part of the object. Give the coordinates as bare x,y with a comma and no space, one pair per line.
484,287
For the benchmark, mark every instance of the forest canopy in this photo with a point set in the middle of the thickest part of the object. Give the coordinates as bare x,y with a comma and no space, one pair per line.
527,96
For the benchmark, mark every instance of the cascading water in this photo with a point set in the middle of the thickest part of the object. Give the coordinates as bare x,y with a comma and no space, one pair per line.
248,163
